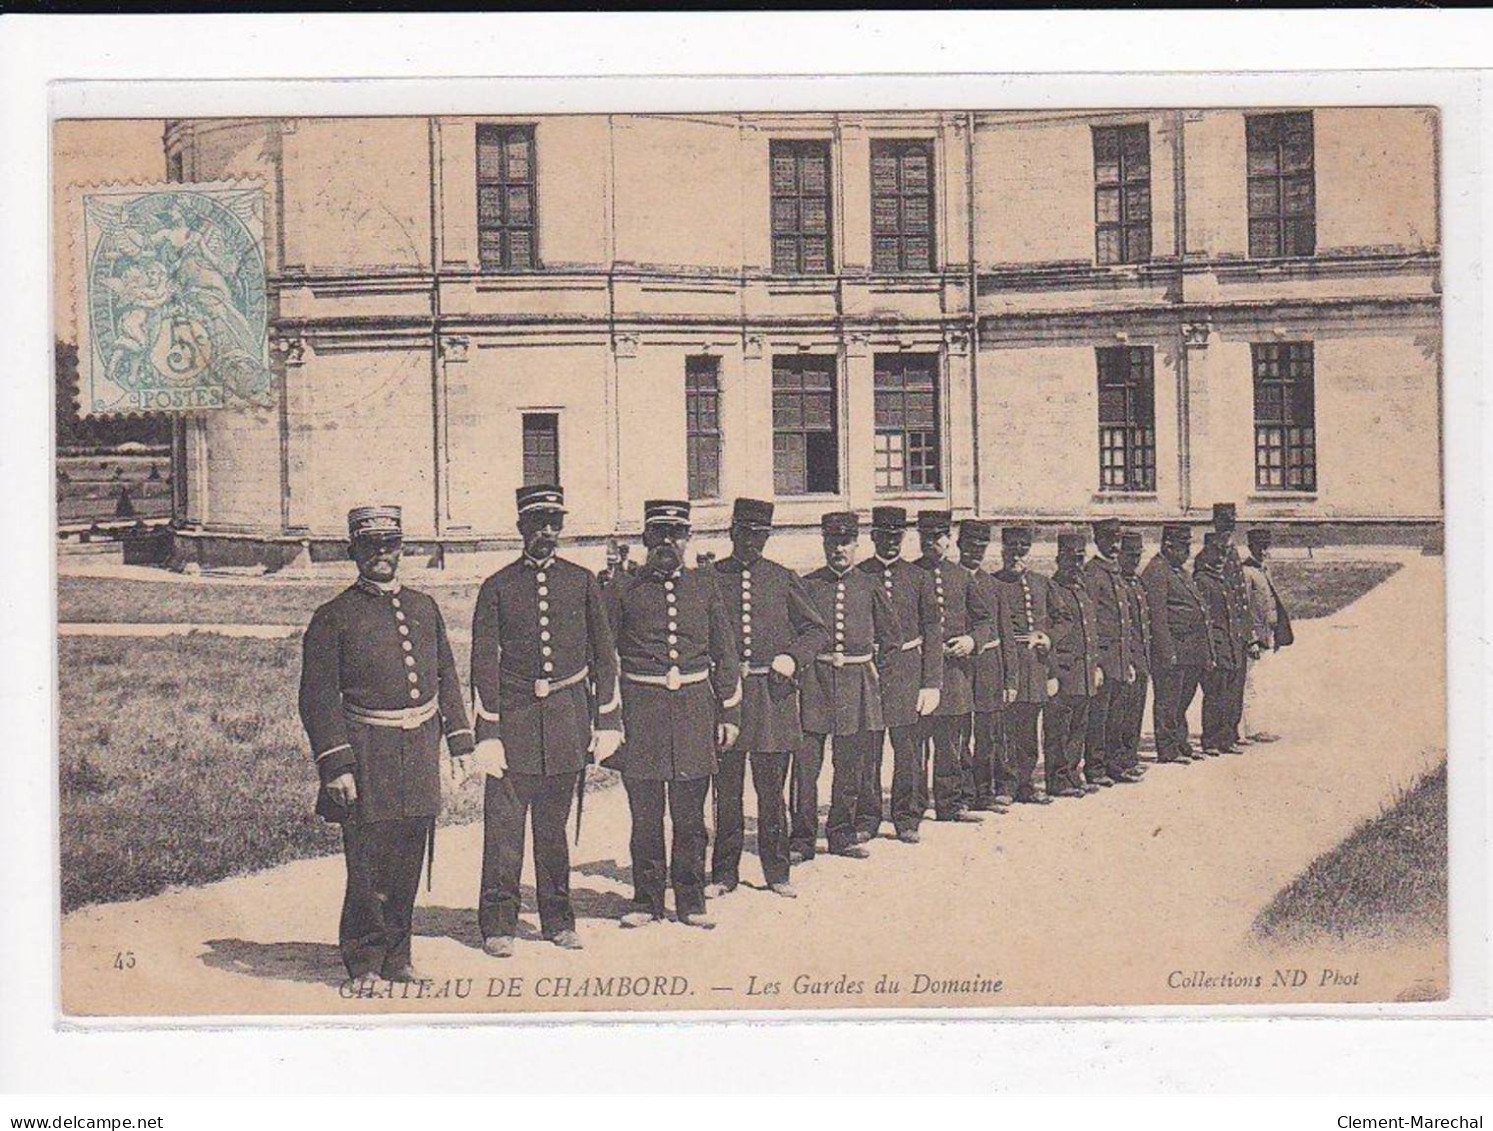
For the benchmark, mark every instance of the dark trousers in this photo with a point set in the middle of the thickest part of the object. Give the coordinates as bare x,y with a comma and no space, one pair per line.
1175,690
990,751
847,756
908,802
383,876
950,764
1100,758
508,804
1237,678
1123,727
870,808
653,867
1019,763
769,775
1219,719
978,749
1064,725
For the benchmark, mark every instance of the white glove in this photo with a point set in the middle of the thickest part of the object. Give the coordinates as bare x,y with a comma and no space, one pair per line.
605,743
960,646
928,700
726,735
490,757
785,665
1098,678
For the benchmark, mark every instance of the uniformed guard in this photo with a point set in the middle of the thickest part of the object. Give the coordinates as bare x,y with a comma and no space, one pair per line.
378,692
1237,591
1026,651
1272,629
911,675
1181,648
544,680
1229,645
779,634
681,703
979,736
1127,713
1075,665
968,623
1112,619
840,694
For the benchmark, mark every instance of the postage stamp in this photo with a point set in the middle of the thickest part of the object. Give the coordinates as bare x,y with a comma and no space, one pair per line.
174,310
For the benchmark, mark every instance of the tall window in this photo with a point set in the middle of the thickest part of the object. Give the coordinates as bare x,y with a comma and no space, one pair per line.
541,448
907,422
1122,194
702,415
1282,185
506,208
800,207
1127,419
805,431
901,206
1285,416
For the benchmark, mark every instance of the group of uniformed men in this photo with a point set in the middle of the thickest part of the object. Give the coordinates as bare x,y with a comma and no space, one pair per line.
743,662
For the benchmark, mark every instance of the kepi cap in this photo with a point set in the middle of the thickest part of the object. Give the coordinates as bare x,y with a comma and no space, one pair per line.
889,518
974,532
1176,532
752,512
1017,534
840,524
1260,536
672,511
1072,541
540,497
1131,540
1224,515
1107,528
935,522
374,522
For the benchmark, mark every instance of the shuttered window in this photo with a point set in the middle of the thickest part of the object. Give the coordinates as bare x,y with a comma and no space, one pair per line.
1285,416
1122,194
541,448
901,206
907,433
702,413
506,205
1127,419
805,426
1282,185
801,207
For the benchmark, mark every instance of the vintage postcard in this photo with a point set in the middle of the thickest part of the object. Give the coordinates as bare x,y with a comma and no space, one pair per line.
654,562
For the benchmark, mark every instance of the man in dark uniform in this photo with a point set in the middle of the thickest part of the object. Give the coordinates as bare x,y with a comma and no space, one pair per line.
1236,588
681,702
911,676
840,695
968,623
1075,664
378,692
1026,650
1112,619
1181,648
979,731
542,656
1129,709
779,633
1229,648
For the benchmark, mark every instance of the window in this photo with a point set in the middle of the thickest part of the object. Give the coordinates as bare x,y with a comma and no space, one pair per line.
1122,194
702,414
901,206
1285,416
805,434
505,198
1282,186
541,448
907,422
1127,419
800,207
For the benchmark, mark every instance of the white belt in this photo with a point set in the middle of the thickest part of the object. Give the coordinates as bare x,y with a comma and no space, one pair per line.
401,718
992,644
840,659
911,644
544,688
674,680
757,669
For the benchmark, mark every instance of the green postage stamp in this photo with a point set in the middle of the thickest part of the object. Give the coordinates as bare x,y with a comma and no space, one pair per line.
174,304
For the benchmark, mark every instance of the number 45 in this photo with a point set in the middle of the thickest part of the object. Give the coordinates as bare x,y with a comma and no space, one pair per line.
124,960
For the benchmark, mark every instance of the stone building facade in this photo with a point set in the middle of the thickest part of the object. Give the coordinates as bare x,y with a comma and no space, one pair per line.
1052,314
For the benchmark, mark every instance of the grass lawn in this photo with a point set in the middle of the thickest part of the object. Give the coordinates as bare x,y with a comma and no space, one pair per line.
1318,589
1387,878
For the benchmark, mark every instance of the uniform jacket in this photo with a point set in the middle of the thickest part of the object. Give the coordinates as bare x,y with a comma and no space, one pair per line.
964,611
1075,636
1268,616
1237,591
918,662
538,624
1023,608
1223,619
844,696
990,682
1139,652
381,651
1180,632
673,623
1111,615
770,610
